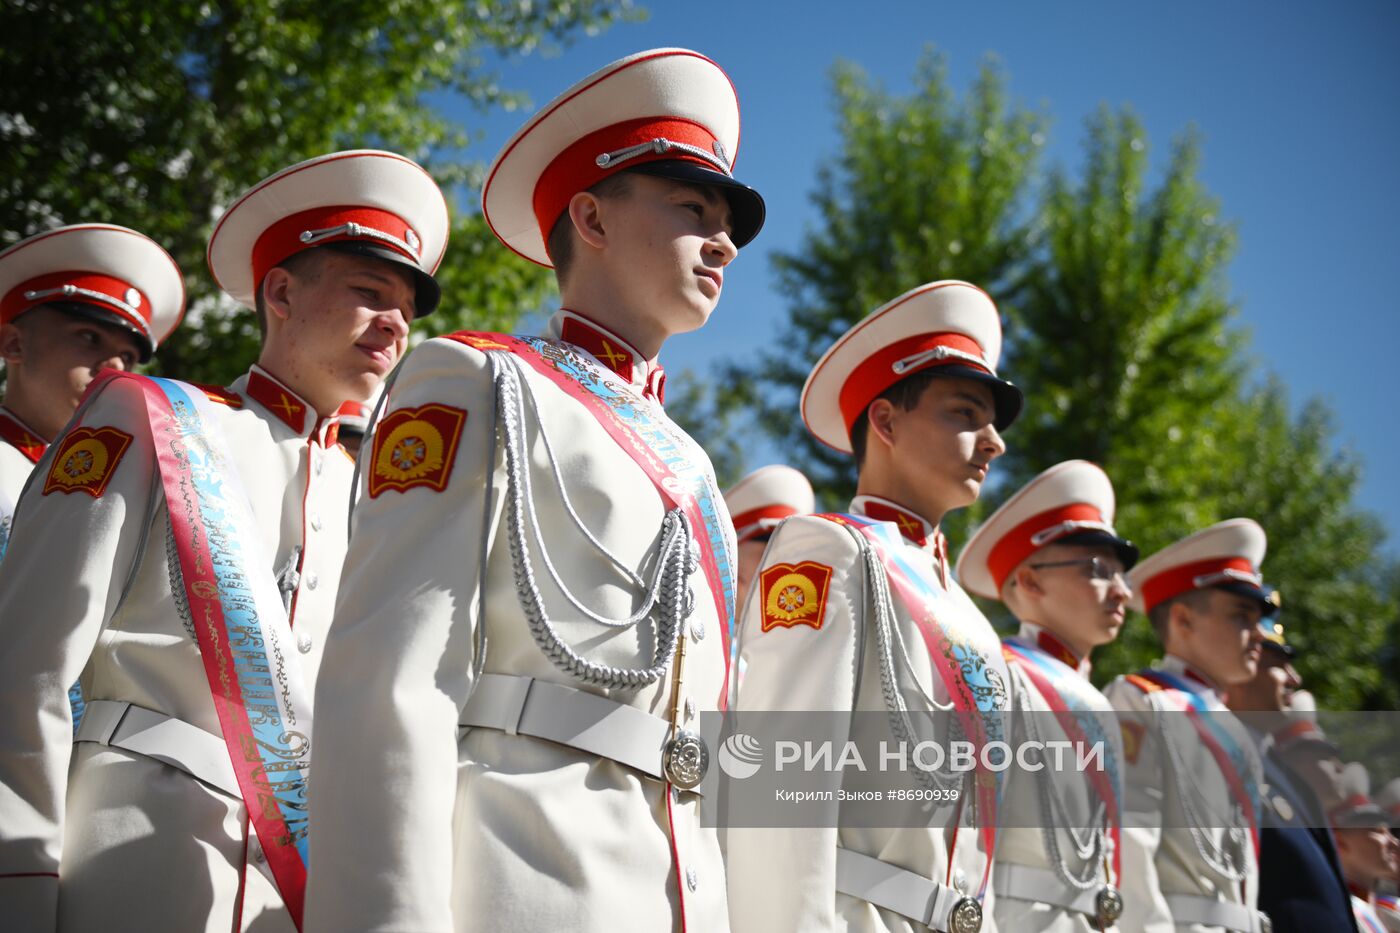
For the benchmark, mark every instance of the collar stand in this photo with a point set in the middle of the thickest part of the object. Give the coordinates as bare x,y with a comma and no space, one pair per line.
610,350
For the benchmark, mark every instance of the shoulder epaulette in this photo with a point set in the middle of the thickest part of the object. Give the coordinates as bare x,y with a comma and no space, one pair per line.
1145,684
482,340
220,394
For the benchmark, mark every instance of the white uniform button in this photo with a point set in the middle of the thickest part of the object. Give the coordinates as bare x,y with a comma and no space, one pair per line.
258,853
697,630
960,881
692,880
319,462
304,643
311,581
315,521
675,794
690,707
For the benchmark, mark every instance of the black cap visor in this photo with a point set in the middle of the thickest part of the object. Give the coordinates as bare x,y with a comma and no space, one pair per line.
427,292
101,314
1126,550
746,205
1250,591
1007,397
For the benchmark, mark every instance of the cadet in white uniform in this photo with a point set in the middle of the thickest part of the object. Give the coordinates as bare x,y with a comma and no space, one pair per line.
540,574
758,503
1368,852
859,612
1051,554
73,302
181,548
1191,781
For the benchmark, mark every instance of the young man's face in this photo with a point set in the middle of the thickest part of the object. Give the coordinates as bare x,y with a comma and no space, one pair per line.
56,355
1078,592
1271,688
1367,853
1221,636
348,322
668,245
945,444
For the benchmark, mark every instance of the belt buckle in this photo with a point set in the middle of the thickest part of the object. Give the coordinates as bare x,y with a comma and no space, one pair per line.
686,760
1108,905
966,916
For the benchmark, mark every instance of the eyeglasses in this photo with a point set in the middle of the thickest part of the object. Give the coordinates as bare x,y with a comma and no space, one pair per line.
1098,568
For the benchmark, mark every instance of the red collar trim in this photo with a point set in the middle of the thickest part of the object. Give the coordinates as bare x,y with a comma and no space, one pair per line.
1051,644
21,437
286,406
914,528
613,352
1177,666
1359,892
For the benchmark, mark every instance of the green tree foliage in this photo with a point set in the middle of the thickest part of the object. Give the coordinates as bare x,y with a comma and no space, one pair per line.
1339,599
1119,325
156,114
1121,337
925,186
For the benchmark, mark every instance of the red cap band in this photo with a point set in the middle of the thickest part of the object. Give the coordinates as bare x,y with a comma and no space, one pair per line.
746,523
876,373
576,168
14,303
1017,544
1181,579
283,239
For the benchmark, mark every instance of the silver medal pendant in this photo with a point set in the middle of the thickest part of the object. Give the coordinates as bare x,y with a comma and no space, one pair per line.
966,917
1109,905
686,760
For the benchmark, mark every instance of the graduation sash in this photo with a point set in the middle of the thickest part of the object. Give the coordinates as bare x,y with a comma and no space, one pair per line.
1223,746
241,626
662,451
1073,700
975,685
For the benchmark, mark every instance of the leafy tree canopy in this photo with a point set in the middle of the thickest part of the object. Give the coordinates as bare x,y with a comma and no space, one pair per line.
157,114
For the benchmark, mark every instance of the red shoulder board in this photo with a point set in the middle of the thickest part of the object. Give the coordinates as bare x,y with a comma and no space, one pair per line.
220,394
86,461
1143,683
481,340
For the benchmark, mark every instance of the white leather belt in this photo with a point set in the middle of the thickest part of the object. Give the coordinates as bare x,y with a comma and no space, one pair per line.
1191,908
1043,887
896,889
198,753
556,713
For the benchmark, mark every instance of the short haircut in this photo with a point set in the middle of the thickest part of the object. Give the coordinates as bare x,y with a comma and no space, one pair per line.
305,264
904,394
1161,613
560,244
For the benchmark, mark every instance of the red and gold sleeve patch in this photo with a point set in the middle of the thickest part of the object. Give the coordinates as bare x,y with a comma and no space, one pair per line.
86,461
794,594
1132,739
415,447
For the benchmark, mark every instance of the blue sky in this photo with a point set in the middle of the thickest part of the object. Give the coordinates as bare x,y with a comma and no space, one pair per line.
1298,104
